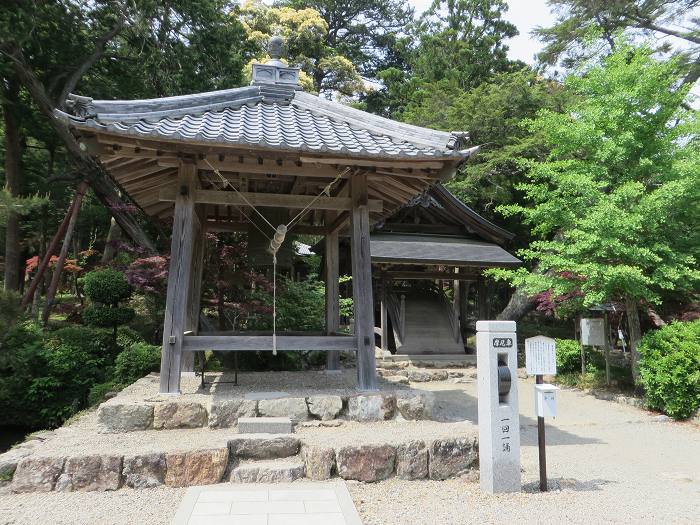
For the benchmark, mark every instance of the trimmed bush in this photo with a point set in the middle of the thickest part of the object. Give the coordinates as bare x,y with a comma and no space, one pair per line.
136,362
670,368
107,286
107,316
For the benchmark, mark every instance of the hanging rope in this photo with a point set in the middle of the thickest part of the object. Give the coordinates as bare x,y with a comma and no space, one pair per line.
278,237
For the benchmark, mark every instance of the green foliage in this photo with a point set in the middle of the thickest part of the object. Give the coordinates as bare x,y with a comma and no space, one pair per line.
135,362
569,358
99,391
107,286
306,34
21,205
616,204
670,368
107,316
302,306
584,27
46,378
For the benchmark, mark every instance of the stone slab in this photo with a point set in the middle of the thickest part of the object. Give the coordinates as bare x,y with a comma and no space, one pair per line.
327,503
265,425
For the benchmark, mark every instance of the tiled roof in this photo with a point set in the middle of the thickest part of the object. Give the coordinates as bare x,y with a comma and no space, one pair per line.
269,116
436,249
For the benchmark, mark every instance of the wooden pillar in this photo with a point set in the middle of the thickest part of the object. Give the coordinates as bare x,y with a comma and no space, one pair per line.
332,297
384,316
463,306
362,284
182,248
482,299
195,292
456,305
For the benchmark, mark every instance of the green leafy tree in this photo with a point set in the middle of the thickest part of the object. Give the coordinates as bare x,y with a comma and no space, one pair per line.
579,22
306,32
615,206
462,41
455,46
364,31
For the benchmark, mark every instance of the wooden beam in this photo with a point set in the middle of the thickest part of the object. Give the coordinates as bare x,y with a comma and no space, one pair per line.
268,166
446,276
362,283
332,261
256,343
276,200
338,223
339,161
179,280
225,226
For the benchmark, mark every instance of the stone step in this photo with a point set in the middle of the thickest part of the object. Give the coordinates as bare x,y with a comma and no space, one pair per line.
268,471
263,446
265,425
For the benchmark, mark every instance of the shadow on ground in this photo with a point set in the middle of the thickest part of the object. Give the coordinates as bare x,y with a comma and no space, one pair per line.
458,405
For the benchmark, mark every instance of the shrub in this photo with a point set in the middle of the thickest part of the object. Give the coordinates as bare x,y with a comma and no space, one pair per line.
107,316
108,287
569,358
99,391
135,362
670,368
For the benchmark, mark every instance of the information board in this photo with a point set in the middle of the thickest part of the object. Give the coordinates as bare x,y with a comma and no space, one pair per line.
540,356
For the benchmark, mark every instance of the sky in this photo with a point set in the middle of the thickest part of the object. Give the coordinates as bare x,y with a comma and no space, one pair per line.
525,15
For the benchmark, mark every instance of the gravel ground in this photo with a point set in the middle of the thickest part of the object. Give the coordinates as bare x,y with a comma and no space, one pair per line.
303,384
122,507
607,463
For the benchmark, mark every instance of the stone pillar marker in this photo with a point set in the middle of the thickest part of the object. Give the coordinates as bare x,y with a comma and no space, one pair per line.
499,422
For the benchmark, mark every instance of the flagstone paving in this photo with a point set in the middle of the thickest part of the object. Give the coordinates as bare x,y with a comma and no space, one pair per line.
300,503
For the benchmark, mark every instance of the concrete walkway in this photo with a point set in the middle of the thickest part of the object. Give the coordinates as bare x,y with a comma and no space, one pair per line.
301,503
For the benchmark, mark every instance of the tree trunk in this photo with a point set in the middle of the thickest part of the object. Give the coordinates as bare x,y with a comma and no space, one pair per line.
99,180
13,154
518,306
115,233
633,324
56,277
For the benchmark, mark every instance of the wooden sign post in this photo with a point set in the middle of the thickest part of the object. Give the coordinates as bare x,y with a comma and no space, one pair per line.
541,360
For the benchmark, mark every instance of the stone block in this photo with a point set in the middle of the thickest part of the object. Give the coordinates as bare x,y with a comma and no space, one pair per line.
9,461
398,380
125,417
37,474
265,425
292,407
366,462
144,471
451,457
196,467
87,473
325,407
415,405
225,414
418,376
439,375
371,407
412,460
319,462
267,472
189,414
263,446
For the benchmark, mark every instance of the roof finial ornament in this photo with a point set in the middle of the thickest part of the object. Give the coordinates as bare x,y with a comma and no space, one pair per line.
274,47
274,71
